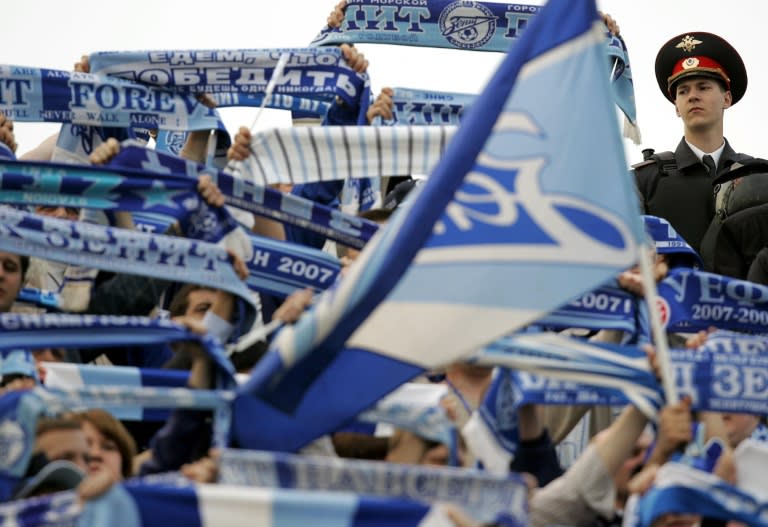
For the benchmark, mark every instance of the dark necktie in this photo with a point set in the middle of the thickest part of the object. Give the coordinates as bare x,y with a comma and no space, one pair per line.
710,164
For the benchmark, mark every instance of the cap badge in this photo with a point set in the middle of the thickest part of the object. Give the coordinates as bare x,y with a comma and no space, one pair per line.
688,43
690,62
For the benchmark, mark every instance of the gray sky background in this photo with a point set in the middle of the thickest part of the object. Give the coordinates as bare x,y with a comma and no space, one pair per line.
53,34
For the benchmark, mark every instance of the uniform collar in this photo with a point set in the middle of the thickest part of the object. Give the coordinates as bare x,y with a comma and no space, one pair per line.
700,153
685,156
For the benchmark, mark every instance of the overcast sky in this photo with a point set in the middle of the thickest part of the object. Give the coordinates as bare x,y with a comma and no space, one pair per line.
53,34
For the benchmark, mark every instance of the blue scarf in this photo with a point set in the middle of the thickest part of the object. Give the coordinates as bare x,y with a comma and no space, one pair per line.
253,197
694,300
312,78
118,250
43,95
482,26
608,307
422,107
487,498
36,331
716,379
479,26
277,268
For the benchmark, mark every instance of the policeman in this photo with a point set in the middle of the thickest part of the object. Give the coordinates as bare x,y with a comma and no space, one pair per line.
702,75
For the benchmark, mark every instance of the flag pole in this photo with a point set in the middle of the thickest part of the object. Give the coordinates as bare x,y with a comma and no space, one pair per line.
234,166
657,331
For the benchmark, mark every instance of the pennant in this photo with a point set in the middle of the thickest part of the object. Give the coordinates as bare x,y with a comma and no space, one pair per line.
488,499
520,237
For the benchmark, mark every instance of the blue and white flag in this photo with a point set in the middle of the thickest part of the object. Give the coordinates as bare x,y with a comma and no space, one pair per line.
691,300
43,95
501,232
486,498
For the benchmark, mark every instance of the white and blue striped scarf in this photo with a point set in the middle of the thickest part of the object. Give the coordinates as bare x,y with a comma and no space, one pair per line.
327,153
485,497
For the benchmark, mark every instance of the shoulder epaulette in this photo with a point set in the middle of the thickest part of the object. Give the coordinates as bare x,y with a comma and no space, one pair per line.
644,163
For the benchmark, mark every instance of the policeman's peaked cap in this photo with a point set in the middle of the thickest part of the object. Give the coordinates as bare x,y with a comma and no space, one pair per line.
699,54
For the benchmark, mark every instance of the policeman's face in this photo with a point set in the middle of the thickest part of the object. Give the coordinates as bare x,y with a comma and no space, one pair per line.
700,102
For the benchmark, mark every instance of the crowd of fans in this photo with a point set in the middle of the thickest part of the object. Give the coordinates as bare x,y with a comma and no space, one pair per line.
91,450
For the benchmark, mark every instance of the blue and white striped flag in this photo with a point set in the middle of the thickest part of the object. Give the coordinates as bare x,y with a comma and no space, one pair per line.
503,231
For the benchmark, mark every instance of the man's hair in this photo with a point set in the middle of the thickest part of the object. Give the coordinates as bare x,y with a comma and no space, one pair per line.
180,301
48,424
